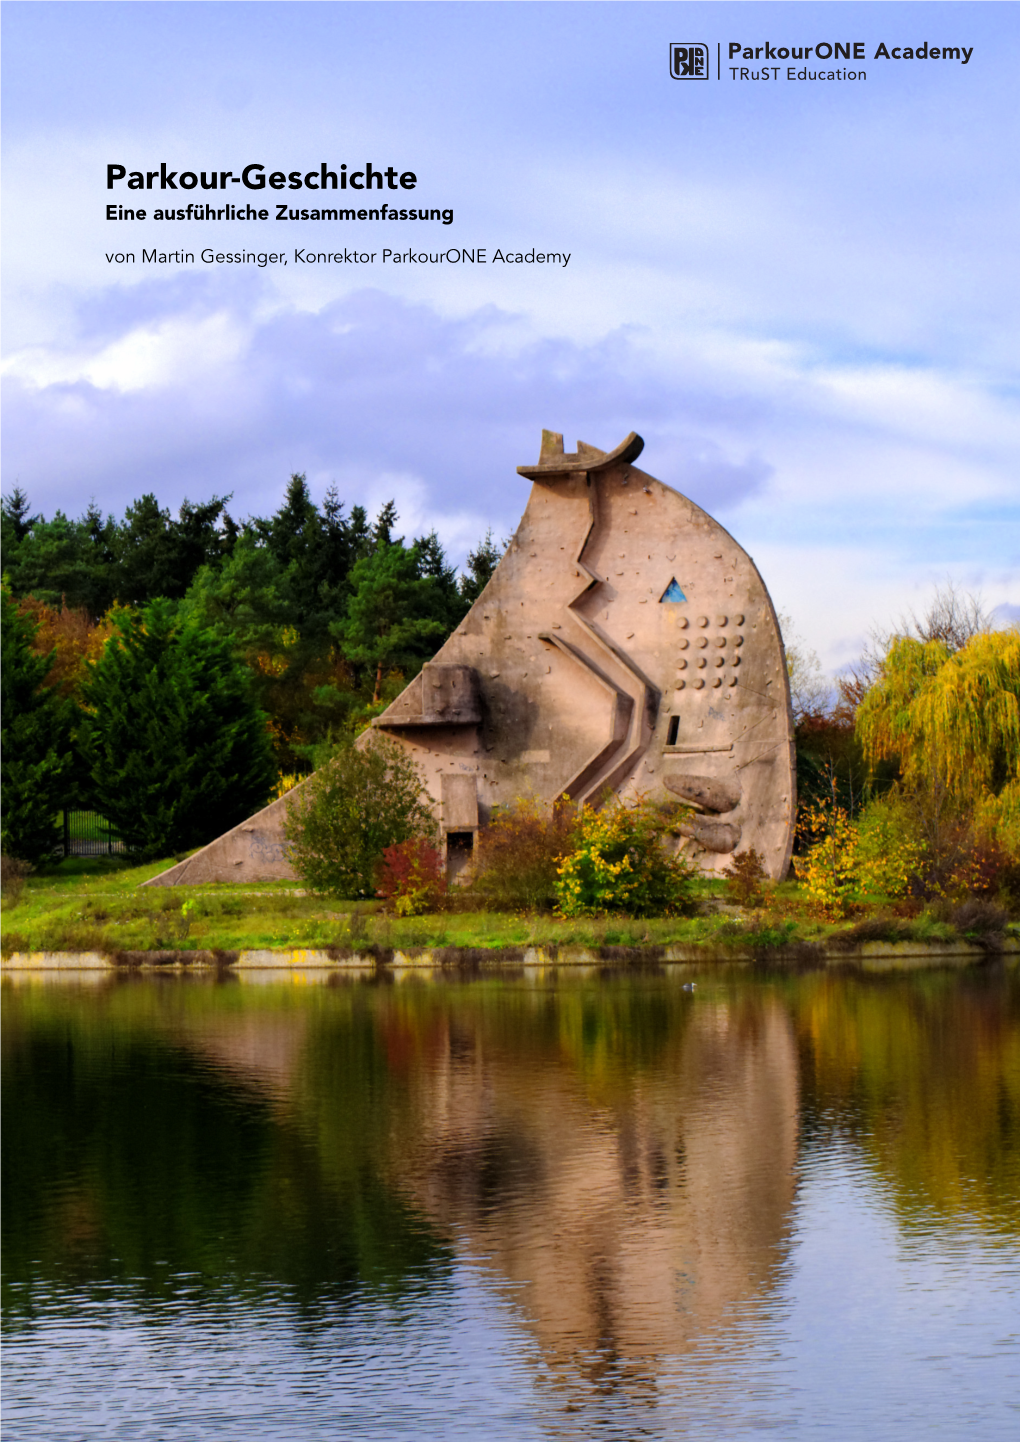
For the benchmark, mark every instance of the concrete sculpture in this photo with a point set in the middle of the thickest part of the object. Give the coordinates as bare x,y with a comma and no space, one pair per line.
625,644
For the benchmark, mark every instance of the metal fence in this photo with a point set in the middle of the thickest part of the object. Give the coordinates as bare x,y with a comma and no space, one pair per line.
86,833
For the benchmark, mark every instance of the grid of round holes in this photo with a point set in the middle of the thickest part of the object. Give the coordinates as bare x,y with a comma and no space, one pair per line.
698,683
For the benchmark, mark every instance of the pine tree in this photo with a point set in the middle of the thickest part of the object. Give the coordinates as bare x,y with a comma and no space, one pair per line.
481,563
296,523
15,514
159,556
177,750
382,531
37,760
451,606
395,617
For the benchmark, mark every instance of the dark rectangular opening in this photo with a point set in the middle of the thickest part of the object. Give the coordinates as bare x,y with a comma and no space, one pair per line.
674,731
460,848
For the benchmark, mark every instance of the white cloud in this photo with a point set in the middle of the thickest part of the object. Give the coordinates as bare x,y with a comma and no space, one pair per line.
185,350
831,477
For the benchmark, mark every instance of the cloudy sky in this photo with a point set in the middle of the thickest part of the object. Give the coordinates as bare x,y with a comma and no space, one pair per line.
803,294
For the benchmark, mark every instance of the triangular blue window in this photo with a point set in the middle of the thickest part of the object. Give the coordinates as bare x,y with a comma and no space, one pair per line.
672,593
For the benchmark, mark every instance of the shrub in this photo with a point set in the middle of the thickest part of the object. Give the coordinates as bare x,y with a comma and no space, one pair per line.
891,854
990,871
997,847
760,935
872,928
345,816
744,877
976,918
12,942
519,854
920,841
620,861
12,878
410,877
170,925
829,867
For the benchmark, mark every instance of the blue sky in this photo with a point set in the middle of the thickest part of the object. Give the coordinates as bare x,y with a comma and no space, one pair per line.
804,295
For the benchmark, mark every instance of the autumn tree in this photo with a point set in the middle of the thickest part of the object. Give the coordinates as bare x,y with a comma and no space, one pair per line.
955,713
951,616
69,636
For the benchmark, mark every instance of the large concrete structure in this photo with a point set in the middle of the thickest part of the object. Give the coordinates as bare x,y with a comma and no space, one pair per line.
625,644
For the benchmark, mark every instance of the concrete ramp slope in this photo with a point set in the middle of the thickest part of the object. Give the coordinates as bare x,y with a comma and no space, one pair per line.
625,645
254,851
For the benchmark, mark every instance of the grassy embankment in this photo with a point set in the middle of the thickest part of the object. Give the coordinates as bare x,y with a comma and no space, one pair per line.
99,905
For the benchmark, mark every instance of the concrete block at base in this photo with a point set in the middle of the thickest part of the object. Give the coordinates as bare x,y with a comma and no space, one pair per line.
265,960
58,961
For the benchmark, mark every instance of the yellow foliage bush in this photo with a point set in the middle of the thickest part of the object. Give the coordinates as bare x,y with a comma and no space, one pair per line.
890,853
621,862
829,868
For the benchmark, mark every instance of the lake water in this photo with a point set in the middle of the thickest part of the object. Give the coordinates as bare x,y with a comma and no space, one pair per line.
529,1205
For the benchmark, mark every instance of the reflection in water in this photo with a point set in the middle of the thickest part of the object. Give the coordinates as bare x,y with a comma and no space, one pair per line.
923,1073
141,1145
627,1185
633,1192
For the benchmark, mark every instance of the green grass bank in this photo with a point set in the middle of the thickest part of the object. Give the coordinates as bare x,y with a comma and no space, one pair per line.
99,905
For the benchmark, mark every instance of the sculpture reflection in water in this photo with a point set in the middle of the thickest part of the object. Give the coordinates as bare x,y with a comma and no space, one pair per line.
631,1202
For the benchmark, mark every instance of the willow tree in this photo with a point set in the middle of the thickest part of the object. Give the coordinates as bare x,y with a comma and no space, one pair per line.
953,720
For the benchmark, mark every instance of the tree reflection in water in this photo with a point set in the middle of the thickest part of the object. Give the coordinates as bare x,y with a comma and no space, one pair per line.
922,1072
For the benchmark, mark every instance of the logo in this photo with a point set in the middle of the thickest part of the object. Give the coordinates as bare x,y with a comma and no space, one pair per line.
688,61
